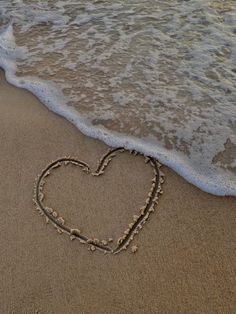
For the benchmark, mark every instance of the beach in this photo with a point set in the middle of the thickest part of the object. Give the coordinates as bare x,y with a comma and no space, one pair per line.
185,259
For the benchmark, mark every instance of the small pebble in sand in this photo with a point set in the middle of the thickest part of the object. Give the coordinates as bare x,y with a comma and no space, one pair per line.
134,248
142,210
104,242
54,214
110,240
61,220
162,174
42,182
147,201
41,196
75,231
38,208
92,248
49,210
120,240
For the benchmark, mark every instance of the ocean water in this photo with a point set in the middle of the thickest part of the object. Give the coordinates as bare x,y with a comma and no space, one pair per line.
158,76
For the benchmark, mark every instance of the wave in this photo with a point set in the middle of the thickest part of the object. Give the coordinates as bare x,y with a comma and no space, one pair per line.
157,77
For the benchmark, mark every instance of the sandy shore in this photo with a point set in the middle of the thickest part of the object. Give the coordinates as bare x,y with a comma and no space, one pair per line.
186,258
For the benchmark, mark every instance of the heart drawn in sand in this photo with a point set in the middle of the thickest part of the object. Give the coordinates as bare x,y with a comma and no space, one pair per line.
133,227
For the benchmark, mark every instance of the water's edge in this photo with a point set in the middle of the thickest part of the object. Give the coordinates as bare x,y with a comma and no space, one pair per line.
179,164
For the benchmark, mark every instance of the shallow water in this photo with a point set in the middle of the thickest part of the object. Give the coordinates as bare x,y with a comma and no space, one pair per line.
157,76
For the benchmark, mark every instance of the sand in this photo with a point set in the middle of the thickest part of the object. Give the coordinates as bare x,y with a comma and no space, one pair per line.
186,254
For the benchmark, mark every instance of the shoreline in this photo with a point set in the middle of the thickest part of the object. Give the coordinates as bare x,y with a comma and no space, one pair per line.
179,164
185,262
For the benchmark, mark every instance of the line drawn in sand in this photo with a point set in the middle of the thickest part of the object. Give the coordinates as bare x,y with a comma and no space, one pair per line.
133,227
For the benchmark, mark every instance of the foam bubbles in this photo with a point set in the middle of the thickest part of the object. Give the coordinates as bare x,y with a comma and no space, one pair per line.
155,76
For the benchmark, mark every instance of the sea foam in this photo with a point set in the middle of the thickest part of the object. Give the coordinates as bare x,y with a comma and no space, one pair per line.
155,76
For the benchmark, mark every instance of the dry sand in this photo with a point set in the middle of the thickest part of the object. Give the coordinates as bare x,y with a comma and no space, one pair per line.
186,258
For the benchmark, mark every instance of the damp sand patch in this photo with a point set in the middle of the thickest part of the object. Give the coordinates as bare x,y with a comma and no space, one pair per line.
135,217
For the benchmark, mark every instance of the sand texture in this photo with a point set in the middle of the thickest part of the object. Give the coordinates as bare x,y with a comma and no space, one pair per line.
182,260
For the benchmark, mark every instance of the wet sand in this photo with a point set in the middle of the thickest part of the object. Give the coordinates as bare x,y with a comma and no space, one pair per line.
186,257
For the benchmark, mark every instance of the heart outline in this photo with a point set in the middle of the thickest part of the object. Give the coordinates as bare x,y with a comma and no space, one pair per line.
138,220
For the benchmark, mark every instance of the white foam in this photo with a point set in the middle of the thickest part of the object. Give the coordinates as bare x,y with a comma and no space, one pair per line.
183,131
